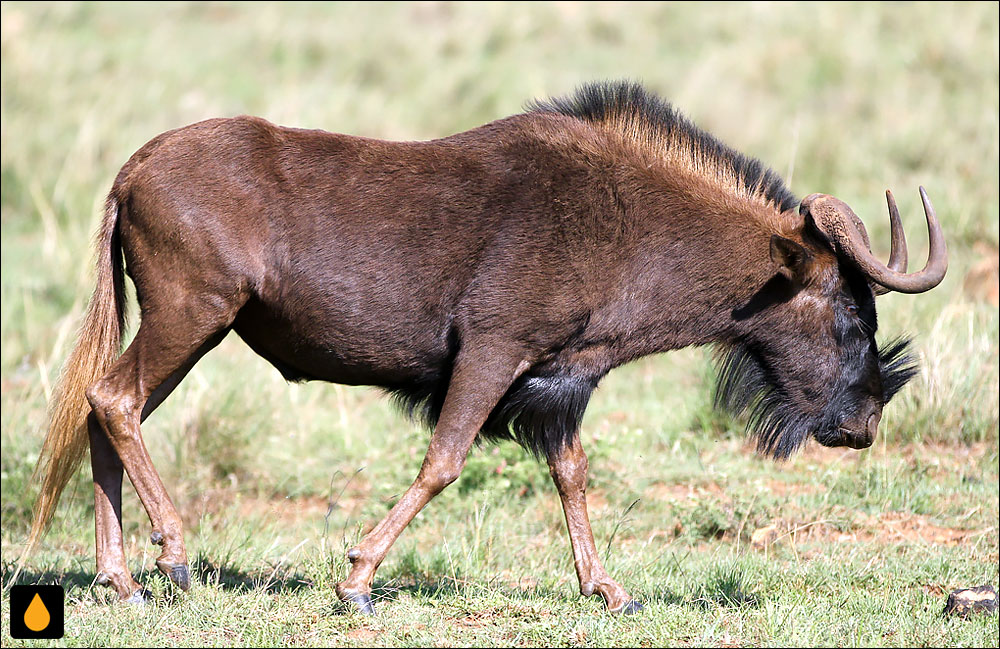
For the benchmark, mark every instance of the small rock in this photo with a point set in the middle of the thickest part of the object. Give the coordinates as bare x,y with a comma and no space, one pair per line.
981,599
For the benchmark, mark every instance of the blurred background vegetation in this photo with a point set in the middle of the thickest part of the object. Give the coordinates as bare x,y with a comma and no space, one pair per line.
847,99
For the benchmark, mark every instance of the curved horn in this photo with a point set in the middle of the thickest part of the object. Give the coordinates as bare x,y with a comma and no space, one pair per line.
897,253
839,224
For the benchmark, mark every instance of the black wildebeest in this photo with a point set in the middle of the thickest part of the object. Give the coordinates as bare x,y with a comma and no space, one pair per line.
488,279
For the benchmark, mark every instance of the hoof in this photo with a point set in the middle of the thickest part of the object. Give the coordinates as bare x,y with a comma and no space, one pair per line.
630,607
178,573
140,597
362,600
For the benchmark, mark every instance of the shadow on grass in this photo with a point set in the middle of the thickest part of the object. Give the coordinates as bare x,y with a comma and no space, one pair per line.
68,579
389,590
726,588
204,571
223,575
446,588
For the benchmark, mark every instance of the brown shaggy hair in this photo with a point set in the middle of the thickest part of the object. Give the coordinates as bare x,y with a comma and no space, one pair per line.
659,129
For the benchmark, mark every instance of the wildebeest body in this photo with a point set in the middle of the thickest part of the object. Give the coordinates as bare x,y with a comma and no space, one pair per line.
489,280
505,233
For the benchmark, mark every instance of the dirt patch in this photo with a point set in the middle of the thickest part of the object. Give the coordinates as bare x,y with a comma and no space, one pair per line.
781,488
765,536
477,620
886,529
902,527
946,458
685,491
285,510
362,634
682,490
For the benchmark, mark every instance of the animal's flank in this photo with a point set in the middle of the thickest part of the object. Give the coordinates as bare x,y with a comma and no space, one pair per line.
659,128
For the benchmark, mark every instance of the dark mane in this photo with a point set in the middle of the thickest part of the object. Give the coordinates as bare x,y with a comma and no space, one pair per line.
633,109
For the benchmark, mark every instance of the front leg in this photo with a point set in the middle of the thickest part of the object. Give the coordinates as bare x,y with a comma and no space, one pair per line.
568,467
478,382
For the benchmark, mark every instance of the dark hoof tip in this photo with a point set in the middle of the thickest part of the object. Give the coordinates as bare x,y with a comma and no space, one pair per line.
140,597
629,608
362,600
181,576
177,572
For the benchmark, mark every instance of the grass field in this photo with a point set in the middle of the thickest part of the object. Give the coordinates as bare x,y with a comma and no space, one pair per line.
275,481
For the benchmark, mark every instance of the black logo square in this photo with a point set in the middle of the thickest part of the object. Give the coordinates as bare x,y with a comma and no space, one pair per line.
37,612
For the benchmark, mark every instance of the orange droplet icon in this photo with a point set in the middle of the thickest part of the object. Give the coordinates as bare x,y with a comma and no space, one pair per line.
36,617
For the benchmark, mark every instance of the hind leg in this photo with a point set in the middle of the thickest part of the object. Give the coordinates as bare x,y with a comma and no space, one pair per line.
169,341
568,467
112,569
107,468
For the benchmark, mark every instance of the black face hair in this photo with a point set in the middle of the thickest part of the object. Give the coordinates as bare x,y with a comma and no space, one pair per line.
897,366
596,102
746,385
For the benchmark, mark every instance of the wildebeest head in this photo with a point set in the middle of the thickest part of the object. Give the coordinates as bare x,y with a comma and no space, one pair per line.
806,360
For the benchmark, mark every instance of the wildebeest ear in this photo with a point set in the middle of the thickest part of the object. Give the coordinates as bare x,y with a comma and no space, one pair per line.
790,257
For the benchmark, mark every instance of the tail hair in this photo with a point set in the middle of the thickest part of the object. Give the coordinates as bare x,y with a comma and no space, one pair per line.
97,347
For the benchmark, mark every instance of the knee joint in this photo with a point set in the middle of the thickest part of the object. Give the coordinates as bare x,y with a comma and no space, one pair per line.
441,474
107,406
569,474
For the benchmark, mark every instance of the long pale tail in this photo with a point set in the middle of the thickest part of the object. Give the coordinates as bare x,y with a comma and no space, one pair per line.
98,346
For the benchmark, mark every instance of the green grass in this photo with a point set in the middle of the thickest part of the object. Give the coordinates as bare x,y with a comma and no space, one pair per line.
845,99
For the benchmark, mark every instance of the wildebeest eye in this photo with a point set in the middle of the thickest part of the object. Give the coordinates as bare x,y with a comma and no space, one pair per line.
852,309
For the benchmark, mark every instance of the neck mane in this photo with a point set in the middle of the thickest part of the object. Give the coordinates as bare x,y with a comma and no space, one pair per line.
655,128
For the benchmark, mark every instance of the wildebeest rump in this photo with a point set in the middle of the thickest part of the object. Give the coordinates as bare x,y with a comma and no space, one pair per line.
488,279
